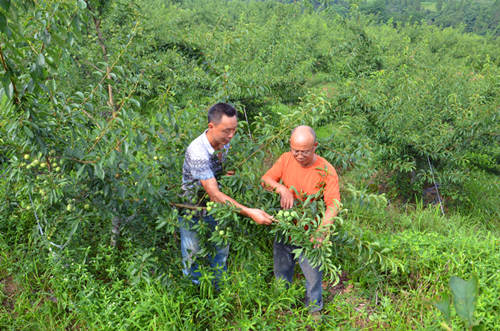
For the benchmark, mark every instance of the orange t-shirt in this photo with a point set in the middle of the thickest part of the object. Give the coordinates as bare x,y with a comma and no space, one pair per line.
308,180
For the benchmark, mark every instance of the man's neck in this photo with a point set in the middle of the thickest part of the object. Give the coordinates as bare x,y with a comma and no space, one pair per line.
212,141
315,157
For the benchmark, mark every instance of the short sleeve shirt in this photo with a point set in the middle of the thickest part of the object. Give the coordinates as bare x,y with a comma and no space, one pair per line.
307,180
200,163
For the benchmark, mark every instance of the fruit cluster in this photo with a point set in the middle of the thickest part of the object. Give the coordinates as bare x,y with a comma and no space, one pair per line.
54,165
286,215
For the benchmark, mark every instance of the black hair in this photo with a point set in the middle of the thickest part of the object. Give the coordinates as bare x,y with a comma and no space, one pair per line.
216,111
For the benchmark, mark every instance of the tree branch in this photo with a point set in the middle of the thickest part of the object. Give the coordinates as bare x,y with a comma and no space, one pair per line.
100,39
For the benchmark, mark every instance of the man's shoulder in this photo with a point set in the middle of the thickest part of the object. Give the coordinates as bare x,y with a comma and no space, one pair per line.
324,164
285,156
283,159
197,148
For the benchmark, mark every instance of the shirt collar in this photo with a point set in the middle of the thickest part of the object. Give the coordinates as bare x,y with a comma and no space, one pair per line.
209,147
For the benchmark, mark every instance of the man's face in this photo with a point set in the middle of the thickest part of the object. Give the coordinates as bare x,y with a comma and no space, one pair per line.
224,131
303,151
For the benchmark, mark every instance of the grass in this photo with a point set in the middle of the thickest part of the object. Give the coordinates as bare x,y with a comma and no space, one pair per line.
41,293
141,286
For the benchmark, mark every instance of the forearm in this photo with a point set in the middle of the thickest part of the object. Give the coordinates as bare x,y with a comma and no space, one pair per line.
270,184
259,216
330,214
224,198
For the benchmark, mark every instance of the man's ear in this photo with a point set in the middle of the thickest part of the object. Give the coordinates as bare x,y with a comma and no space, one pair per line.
210,125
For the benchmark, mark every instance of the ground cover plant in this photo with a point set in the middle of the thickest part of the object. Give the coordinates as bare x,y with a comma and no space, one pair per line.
99,100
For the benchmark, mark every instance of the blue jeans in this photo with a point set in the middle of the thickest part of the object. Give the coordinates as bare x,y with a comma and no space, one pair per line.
190,246
284,264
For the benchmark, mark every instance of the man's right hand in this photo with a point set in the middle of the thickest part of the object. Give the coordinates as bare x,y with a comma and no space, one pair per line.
259,216
286,197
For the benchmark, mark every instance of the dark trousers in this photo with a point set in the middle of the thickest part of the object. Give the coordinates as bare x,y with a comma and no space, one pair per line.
284,264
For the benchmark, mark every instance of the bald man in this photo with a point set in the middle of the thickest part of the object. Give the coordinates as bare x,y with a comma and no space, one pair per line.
303,169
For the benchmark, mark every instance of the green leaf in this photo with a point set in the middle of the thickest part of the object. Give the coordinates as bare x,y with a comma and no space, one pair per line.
125,147
82,4
9,90
28,132
80,171
99,171
89,106
135,102
3,23
464,297
40,61
444,306
5,4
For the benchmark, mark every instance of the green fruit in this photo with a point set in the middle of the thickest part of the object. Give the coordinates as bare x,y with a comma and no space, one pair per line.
69,207
86,206
221,232
58,169
286,214
155,157
43,165
209,208
26,156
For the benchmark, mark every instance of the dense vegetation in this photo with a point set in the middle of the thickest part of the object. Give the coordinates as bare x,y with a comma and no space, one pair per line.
482,17
100,98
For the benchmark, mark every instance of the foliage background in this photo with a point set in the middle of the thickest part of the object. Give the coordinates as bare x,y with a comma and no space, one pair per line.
100,98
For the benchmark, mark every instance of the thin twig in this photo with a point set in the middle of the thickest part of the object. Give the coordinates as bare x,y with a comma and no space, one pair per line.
112,120
83,161
182,205
111,69
246,119
435,186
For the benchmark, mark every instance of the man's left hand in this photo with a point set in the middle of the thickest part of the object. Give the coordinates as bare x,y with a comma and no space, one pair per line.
318,241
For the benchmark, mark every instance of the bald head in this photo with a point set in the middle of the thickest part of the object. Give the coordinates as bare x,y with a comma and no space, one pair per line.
303,145
303,133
